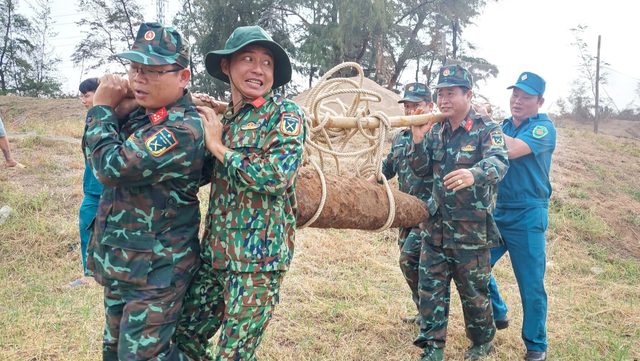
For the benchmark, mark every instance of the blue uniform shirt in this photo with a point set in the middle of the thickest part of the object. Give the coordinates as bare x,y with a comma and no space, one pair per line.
90,184
527,184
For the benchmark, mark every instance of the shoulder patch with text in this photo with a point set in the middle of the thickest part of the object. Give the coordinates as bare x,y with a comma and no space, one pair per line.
290,124
497,138
161,142
540,131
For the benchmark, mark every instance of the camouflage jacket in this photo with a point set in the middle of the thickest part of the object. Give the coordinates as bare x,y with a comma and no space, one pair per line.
396,164
467,215
145,233
251,224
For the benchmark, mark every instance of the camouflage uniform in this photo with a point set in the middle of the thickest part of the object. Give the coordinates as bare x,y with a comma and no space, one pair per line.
409,239
249,232
396,164
144,248
461,228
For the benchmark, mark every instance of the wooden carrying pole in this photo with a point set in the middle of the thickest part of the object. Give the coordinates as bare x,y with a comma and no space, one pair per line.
364,122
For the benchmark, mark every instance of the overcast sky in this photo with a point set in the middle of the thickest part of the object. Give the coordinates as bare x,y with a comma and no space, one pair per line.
534,36
515,35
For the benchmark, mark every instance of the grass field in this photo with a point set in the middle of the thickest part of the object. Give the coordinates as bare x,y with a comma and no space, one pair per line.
344,297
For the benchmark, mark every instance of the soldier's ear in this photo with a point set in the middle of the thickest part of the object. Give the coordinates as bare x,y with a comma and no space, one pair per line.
185,75
224,64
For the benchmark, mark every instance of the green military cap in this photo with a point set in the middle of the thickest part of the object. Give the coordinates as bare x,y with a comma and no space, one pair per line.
416,92
242,37
158,45
454,75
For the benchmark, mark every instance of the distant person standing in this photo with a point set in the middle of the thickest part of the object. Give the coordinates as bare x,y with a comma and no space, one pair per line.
91,188
6,150
416,100
467,157
522,210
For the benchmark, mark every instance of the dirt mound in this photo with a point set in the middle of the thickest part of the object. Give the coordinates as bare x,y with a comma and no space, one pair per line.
616,127
389,104
13,108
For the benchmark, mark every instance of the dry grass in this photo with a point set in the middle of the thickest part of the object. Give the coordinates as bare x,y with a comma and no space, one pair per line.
344,297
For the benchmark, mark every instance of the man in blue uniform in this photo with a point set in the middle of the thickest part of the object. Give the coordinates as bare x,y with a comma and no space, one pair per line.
90,187
522,210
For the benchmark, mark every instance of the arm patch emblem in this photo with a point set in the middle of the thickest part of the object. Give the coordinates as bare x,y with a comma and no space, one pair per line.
290,124
540,131
497,139
161,142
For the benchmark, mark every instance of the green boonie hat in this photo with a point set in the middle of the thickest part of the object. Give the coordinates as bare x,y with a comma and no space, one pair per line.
158,45
454,75
242,37
416,92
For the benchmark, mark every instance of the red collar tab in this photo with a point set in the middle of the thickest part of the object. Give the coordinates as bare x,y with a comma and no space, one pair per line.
259,102
159,115
469,124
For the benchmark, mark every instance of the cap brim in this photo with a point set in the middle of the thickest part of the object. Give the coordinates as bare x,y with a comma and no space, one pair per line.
281,71
527,89
448,85
411,99
146,59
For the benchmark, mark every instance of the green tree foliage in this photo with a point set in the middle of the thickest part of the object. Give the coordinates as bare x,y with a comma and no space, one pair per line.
15,46
42,79
113,25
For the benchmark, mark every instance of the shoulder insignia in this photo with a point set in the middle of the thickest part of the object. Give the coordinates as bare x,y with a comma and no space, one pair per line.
159,115
540,131
468,148
161,142
259,102
497,138
468,124
290,124
250,126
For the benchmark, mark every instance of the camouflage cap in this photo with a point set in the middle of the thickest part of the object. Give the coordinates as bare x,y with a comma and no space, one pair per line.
416,92
454,75
158,45
242,37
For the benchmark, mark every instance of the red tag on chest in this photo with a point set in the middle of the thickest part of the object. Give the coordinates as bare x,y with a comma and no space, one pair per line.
258,102
158,116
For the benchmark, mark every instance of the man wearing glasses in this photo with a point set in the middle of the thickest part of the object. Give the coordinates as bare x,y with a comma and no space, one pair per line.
144,249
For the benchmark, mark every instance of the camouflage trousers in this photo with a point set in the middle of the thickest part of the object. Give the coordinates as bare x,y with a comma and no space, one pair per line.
239,304
470,270
410,243
140,323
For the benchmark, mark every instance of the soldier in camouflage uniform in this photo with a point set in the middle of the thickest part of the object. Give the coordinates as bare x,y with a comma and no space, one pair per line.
467,157
416,100
144,249
249,230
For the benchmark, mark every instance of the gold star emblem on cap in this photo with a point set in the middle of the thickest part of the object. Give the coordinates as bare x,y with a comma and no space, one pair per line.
446,72
411,88
149,35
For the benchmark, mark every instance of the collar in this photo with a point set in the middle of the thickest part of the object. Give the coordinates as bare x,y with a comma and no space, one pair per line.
525,121
179,105
256,104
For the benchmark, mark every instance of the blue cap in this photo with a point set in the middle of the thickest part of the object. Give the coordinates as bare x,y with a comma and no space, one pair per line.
530,83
